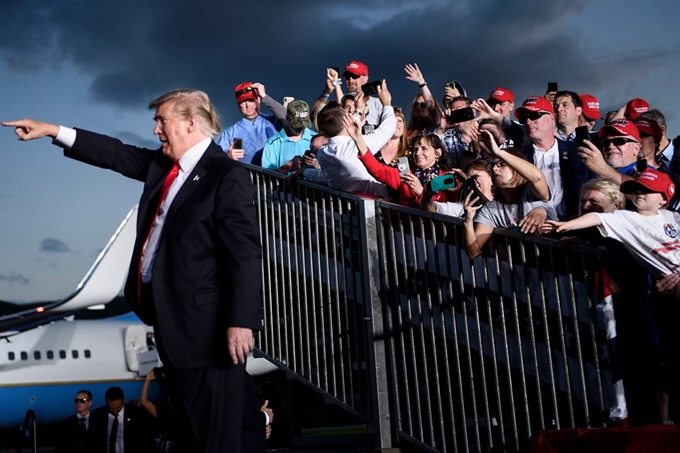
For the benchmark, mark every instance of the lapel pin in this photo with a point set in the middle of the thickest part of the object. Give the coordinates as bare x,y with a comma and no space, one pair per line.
196,178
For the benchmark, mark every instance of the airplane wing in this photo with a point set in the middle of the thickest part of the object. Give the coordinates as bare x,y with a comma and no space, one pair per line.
101,284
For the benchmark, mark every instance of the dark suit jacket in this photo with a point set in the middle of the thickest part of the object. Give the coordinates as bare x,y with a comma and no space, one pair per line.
70,438
573,171
138,431
207,271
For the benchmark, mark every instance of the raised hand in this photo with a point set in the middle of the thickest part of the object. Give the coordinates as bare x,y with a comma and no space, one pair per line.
413,73
383,94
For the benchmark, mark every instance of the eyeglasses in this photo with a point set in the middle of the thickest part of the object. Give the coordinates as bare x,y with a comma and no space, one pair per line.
497,163
421,105
533,116
244,90
80,400
616,141
349,75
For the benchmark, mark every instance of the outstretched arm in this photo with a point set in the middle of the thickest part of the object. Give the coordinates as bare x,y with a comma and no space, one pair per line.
585,221
28,129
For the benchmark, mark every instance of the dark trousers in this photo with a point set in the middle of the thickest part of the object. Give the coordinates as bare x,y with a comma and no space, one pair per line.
208,406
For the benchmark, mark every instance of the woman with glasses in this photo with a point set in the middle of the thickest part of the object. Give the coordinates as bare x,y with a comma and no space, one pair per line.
429,158
520,200
425,111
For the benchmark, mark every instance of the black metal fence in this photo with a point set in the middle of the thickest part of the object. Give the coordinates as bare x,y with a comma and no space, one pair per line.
378,307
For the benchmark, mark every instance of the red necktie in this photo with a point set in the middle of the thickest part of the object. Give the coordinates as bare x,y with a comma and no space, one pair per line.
169,179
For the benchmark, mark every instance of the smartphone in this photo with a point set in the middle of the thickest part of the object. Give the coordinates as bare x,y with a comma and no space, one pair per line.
337,70
582,133
442,182
238,143
641,165
287,100
371,88
403,166
367,129
461,115
552,86
470,185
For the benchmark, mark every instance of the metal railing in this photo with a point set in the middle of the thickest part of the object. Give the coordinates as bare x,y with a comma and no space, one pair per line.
29,430
378,307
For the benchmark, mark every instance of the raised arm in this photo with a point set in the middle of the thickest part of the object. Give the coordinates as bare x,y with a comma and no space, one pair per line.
277,109
526,169
144,400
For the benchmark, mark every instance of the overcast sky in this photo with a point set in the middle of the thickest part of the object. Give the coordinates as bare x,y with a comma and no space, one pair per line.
96,65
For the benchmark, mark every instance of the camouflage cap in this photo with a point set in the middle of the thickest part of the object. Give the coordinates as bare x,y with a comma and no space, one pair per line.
298,114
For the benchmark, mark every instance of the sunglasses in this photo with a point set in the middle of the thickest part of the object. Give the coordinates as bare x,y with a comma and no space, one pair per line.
497,163
616,141
421,105
533,116
349,75
80,400
244,90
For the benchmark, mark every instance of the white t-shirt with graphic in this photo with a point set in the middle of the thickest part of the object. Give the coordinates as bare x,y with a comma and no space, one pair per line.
652,240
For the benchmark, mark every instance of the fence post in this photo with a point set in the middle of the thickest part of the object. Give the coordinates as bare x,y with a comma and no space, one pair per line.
375,325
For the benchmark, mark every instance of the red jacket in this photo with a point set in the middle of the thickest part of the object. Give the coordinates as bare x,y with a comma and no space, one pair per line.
391,178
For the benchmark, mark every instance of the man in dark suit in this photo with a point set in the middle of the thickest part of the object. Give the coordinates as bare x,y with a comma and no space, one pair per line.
73,430
120,427
195,273
565,172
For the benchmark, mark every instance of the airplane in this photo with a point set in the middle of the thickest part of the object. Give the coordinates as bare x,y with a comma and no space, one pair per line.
51,350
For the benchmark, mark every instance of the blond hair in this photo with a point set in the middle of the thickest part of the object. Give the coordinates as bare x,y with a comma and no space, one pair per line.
192,103
608,188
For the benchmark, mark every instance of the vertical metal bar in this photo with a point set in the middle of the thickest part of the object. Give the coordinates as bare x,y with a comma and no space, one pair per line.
530,325
375,324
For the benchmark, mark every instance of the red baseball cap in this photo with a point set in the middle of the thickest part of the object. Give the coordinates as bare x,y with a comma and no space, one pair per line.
245,91
501,95
649,127
620,127
636,107
653,180
535,104
357,68
590,107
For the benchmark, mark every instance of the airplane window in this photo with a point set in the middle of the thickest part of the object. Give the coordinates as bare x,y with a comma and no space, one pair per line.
36,355
10,356
74,354
62,354
87,353
50,355
24,355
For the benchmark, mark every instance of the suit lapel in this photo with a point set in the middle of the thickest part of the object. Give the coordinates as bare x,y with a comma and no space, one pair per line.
191,182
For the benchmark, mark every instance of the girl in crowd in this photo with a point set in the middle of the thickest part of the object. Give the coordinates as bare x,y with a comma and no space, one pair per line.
397,146
520,200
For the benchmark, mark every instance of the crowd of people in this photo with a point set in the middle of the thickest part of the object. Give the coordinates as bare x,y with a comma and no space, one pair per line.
541,168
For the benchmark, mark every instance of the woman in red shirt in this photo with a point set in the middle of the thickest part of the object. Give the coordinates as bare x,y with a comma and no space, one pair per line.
430,160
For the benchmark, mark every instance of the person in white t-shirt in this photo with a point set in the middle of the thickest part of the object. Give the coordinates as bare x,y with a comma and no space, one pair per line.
651,233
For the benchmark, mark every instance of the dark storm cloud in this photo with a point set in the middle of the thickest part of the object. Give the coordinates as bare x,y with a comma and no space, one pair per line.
51,245
13,277
137,50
